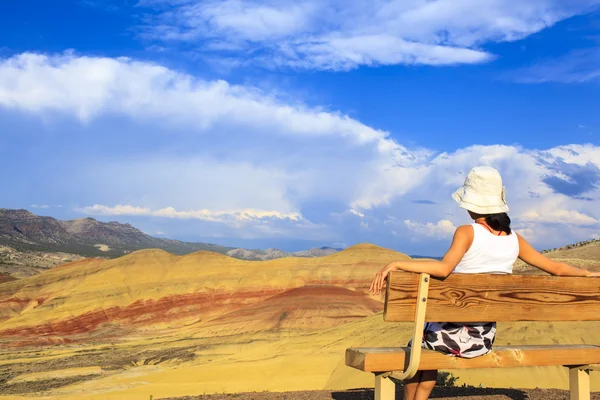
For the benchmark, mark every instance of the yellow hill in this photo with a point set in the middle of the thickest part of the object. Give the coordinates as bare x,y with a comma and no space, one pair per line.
307,307
281,360
585,255
151,323
152,288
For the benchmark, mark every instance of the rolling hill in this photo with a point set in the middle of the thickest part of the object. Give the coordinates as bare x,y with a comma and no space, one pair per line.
153,289
154,323
582,255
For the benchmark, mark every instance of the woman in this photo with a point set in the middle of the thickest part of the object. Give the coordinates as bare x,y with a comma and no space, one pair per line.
488,246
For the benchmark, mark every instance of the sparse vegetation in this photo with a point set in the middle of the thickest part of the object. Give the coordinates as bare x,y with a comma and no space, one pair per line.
446,379
572,246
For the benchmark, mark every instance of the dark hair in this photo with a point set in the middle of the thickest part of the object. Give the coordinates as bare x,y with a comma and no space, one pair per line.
498,222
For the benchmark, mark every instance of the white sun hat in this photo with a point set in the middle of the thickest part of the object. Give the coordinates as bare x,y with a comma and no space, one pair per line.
482,192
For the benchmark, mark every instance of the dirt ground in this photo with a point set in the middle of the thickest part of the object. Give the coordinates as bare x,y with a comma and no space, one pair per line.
441,393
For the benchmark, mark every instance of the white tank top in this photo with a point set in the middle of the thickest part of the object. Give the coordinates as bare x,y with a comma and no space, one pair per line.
489,254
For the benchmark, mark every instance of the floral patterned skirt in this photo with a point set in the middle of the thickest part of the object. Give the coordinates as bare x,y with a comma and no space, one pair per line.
456,339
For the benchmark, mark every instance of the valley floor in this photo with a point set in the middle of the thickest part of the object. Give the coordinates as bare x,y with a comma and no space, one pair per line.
440,393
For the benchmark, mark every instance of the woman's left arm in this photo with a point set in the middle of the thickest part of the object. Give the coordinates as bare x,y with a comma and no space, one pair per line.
463,237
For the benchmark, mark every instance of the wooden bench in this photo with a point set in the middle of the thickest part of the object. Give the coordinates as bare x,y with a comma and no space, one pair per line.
479,298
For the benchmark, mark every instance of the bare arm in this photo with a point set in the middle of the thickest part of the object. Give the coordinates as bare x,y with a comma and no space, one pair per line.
463,237
531,256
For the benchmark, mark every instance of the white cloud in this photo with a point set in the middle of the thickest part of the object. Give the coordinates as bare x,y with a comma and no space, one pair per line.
246,149
440,229
92,88
578,66
344,34
40,206
357,213
569,217
203,215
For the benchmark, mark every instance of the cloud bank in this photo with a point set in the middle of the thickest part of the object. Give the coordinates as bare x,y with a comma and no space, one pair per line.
251,162
346,34
203,215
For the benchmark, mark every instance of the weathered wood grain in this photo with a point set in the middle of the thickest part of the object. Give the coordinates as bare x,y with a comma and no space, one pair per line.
485,297
385,359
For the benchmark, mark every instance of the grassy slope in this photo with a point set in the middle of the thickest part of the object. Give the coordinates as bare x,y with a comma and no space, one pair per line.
586,256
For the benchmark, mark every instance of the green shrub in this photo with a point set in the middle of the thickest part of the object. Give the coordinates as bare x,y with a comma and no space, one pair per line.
446,379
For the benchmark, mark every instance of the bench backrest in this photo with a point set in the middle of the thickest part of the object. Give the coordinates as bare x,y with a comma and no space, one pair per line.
484,297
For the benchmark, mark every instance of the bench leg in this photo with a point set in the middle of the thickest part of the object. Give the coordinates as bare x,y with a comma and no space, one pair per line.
385,389
579,384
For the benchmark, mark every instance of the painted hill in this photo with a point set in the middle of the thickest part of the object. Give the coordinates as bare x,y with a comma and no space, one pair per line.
152,289
97,319
154,323
312,307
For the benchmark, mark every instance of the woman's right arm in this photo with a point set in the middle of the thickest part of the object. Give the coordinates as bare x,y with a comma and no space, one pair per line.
531,256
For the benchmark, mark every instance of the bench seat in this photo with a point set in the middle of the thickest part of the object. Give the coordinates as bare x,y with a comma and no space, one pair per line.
464,298
383,359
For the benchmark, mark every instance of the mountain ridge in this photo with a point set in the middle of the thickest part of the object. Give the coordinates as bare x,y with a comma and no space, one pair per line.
32,243
24,230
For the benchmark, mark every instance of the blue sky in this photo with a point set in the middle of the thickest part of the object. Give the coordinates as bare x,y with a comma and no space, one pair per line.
300,123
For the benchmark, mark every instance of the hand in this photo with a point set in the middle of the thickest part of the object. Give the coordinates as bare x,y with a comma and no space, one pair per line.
381,278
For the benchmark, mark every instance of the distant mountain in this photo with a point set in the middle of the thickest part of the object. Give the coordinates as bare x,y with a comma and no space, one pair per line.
24,231
428,257
256,255
317,252
33,243
271,254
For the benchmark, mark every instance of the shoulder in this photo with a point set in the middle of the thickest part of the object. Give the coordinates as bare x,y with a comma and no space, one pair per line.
522,242
464,232
520,238
463,239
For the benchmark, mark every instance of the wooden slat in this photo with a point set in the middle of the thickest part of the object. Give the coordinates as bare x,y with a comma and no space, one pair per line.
385,359
485,297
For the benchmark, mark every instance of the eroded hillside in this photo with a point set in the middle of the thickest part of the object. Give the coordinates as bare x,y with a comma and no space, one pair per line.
153,323
584,255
